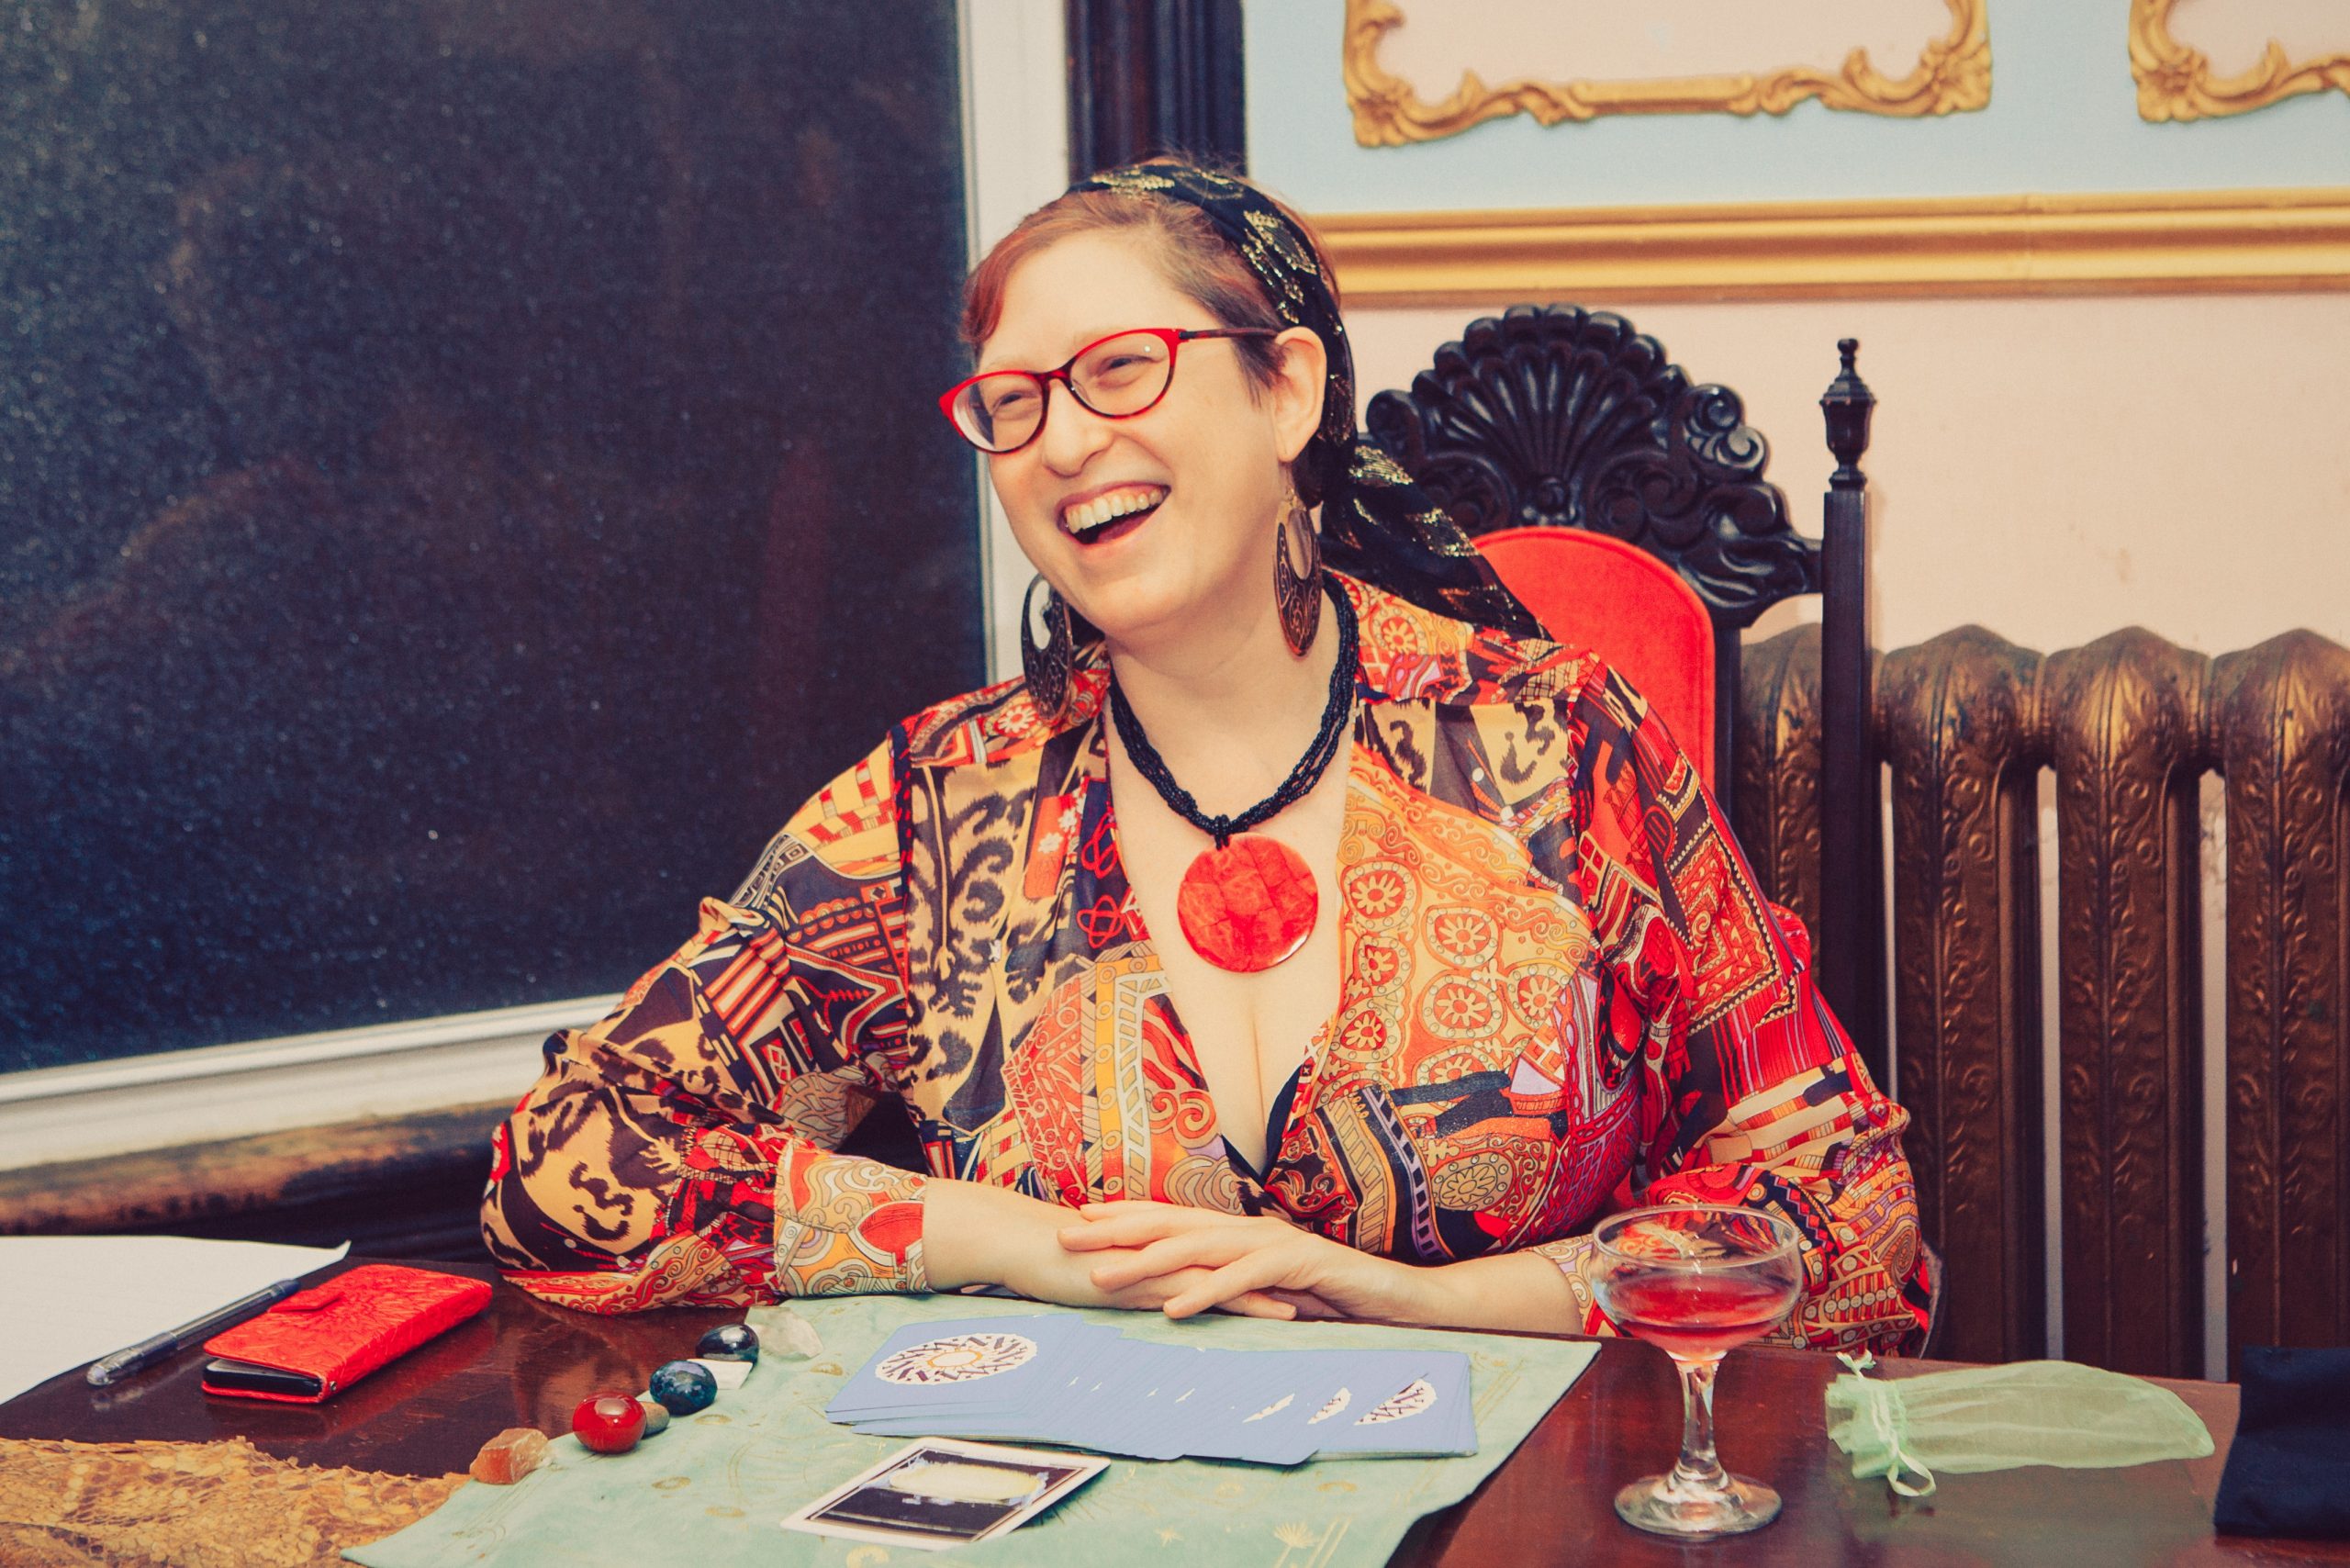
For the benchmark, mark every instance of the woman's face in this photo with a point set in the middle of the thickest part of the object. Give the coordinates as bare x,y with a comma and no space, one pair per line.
1198,478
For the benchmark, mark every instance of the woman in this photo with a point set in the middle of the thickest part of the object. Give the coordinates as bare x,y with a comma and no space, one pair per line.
1314,940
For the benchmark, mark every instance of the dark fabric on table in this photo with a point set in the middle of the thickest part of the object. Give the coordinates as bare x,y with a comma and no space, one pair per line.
2289,1470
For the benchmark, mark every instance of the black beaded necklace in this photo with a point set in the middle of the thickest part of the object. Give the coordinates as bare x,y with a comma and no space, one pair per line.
1250,902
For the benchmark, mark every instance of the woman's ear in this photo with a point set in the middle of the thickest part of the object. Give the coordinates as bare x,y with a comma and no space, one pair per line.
1295,395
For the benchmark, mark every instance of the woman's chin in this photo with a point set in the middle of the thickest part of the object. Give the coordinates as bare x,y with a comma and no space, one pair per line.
1146,607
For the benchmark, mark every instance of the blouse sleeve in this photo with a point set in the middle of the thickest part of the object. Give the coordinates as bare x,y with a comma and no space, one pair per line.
1750,1092
680,1151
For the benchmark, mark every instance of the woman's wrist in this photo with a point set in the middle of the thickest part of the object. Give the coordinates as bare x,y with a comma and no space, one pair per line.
1425,1293
977,1234
1521,1291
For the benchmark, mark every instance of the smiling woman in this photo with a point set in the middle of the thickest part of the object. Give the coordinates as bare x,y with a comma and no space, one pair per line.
1303,933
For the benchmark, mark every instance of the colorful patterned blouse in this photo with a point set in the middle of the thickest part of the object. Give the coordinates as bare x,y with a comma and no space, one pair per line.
1560,991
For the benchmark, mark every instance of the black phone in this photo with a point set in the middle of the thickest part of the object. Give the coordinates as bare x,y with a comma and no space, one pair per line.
250,1377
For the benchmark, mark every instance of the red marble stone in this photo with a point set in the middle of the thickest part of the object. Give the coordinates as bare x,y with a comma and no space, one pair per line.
609,1423
1249,905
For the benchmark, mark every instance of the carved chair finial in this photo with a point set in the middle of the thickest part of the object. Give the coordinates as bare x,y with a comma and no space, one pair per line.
1847,403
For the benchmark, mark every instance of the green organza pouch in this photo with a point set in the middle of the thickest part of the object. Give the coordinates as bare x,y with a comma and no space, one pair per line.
2000,1418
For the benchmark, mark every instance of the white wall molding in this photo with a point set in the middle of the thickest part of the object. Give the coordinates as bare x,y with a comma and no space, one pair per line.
92,1110
1015,159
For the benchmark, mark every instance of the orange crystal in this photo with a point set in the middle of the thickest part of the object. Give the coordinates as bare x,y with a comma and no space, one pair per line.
509,1456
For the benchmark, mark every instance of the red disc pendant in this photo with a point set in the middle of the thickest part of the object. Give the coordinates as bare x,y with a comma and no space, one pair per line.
1248,905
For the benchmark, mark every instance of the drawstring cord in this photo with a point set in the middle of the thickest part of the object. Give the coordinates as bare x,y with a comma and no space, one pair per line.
1880,1409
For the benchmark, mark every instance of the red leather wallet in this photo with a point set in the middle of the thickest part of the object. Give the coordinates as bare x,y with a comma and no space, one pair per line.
338,1332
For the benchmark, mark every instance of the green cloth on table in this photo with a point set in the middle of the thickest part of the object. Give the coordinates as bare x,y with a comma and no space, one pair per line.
710,1490
2002,1417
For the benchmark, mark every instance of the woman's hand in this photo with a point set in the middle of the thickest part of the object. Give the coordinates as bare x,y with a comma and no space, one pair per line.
984,1235
1196,1259
1075,1280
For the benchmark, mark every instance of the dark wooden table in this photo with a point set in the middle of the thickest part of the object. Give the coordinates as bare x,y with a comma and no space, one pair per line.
524,1363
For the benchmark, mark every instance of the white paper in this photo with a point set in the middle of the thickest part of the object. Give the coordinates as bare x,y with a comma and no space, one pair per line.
65,1300
729,1374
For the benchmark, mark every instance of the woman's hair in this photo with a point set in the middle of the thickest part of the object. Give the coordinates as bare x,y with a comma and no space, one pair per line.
1194,257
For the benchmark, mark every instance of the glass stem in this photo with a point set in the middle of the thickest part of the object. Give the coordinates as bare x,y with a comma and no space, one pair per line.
1698,1470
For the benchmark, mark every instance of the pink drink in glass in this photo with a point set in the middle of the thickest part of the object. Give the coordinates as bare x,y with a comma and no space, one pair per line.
1695,1316
1696,1280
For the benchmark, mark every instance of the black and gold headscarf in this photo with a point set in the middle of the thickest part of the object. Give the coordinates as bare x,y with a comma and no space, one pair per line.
1377,525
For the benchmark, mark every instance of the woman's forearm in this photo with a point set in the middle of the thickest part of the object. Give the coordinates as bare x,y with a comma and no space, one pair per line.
1519,1290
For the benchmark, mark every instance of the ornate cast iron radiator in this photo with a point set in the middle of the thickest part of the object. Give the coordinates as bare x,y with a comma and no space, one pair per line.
2130,725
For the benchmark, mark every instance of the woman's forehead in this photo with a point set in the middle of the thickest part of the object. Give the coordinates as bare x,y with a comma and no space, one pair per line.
1075,290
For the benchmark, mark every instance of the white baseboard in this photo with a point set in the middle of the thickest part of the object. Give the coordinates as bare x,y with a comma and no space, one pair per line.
95,1109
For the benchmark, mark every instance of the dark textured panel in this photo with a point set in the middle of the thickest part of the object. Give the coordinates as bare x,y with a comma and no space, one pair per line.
1777,768
1967,721
2124,734
2282,716
468,471
1956,721
1147,76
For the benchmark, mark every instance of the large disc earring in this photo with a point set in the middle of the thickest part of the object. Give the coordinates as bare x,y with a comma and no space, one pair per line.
1298,590
1047,649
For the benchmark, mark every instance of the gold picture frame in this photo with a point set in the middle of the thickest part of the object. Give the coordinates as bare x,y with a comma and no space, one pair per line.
1953,75
2176,80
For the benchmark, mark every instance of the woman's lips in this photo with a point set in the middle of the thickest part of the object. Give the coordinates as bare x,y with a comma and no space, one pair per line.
1118,528
1102,513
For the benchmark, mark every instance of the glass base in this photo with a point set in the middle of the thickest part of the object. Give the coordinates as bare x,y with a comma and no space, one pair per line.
1656,1504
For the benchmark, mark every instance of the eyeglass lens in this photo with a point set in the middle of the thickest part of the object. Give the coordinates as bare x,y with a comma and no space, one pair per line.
1116,378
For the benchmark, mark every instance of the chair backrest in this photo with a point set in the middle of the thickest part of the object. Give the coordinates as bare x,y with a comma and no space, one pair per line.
1554,417
1551,416
1599,592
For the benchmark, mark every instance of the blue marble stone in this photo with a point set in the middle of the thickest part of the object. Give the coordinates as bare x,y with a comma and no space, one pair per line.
730,1342
684,1387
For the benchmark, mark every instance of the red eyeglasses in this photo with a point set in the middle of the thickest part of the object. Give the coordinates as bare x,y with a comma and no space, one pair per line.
1117,377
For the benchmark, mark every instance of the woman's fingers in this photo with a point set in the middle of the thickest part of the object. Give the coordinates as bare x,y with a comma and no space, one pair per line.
1153,1293
1195,1250
1248,1276
1092,1237
1139,1224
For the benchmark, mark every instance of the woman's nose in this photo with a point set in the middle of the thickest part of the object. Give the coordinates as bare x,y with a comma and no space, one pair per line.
1072,432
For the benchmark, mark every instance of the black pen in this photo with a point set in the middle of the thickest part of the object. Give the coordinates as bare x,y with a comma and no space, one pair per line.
147,1352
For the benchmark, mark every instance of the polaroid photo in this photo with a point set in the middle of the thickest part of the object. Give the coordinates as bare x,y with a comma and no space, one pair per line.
938,1493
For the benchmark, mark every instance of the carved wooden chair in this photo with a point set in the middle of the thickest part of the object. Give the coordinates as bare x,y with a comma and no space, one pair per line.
1550,422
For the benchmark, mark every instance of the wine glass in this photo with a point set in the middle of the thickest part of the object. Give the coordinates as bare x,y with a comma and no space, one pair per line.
1694,1279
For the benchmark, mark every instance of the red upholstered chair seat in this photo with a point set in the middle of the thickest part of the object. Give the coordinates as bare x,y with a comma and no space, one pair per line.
1628,606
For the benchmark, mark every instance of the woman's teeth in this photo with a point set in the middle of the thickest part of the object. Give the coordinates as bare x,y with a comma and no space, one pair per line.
1100,512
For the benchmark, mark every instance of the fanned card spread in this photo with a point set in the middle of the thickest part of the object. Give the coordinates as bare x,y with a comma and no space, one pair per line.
330,1336
1062,1379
